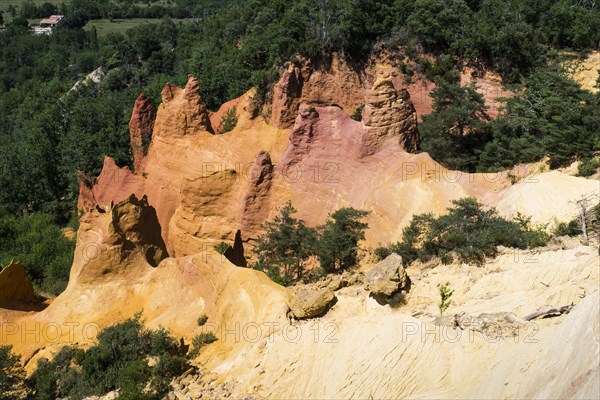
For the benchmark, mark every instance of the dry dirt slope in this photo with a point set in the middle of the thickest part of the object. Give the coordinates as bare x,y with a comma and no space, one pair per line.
362,349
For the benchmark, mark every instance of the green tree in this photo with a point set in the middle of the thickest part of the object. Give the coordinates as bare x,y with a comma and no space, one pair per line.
11,373
440,25
457,128
40,245
552,117
337,246
285,245
228,122
445,294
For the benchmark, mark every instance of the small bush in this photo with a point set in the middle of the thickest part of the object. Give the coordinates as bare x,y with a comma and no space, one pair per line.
588,167
40,245
467,232
201,340
570,228
221,247
228,122
357,115
118,361
445,294
382,253
12,374
202,320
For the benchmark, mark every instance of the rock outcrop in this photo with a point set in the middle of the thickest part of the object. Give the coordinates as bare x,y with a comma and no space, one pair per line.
286,96
113,185
141,125
183,111
132,240
257,199
387,278
197,196
332,82
15,285
389,116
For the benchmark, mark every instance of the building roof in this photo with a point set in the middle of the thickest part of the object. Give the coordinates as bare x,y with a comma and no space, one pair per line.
52,20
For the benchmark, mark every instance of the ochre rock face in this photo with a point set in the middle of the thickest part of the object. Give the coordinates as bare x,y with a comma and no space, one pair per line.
334,82
257,199
182,111
15,285
286,95
114,184
121,267
140,129
389,114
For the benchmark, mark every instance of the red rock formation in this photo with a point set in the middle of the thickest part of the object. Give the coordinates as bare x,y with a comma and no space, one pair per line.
389,114
140,130
301,137
330,83
256,201
114,184
286,95
489,85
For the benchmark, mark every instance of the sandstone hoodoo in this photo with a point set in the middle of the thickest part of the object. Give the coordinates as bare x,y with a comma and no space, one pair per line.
389,114
140,130
343,199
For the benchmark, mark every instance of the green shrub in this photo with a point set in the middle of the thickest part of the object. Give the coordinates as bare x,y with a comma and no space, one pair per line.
570,228
228,122
445,294
201,340
357,115
337,246
588,167
12,374
117,361
285,245
40,245
467,231
382,252
202,320
221,247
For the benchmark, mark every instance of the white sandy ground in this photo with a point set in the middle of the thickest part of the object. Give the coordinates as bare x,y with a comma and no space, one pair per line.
361,349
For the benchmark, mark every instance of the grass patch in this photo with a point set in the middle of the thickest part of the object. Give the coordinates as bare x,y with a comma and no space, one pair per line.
106,26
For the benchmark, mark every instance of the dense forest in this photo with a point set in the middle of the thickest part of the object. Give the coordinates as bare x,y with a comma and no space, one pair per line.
49,132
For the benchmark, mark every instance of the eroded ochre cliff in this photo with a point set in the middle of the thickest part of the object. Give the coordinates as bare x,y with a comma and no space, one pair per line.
146,240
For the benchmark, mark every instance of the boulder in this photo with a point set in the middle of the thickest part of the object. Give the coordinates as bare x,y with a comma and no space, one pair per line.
311,301
387,277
